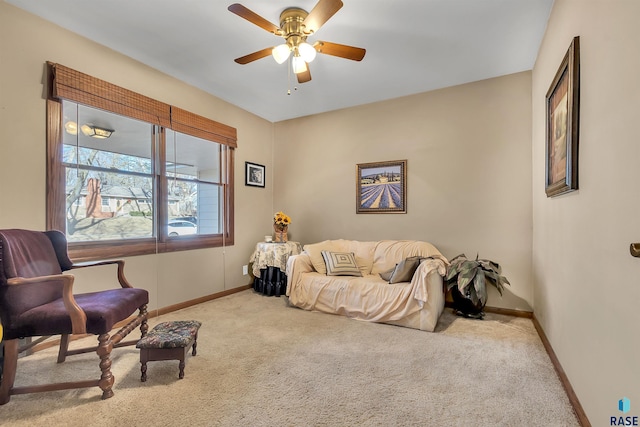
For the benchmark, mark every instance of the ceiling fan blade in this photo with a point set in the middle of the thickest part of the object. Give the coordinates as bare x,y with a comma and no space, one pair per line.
321,12
253,17
254,56
304,76
340,50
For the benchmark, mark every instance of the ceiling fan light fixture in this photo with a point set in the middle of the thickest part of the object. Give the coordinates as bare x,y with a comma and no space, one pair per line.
71,128
307,52
96,131
281,53
298,64
296,25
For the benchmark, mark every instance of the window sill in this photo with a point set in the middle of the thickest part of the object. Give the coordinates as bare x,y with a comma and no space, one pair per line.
93,251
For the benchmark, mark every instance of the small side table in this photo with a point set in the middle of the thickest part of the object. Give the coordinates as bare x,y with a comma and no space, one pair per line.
270,266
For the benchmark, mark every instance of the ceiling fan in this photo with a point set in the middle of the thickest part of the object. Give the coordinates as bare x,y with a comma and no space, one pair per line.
295,26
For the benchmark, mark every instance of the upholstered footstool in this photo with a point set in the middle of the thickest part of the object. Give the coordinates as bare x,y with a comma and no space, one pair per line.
168,341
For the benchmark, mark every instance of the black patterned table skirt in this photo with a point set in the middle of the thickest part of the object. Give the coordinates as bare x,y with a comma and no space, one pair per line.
272,282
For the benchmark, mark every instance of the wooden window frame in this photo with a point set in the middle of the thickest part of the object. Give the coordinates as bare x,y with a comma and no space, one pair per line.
65,83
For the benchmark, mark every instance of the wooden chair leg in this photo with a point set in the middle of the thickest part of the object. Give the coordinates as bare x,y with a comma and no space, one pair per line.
8,370
104,352
64,347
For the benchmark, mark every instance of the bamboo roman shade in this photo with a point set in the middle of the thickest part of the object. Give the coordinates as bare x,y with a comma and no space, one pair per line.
84,89
201,127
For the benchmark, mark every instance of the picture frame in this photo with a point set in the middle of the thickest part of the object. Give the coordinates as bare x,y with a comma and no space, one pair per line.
381,187
562,125
254,174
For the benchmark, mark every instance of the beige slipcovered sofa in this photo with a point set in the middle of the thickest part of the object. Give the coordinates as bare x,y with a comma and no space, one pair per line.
416,303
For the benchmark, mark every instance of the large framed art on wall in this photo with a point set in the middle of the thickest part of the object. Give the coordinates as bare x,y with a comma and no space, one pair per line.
381,187
562,117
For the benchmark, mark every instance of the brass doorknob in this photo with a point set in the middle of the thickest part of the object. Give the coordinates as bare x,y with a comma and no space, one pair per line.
634,248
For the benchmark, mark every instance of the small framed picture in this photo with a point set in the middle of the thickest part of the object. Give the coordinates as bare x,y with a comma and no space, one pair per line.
254,174
381,187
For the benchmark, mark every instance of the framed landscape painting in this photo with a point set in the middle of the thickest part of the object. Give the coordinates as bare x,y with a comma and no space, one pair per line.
253,174
381,187
562,117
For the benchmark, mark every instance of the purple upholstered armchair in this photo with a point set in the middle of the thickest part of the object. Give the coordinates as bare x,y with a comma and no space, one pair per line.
37,300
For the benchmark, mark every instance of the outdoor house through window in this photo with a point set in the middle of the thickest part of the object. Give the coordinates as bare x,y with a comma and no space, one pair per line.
128,175
109,188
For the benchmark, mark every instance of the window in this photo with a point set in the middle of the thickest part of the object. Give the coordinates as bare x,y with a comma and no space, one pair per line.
114,176
194,181
128,175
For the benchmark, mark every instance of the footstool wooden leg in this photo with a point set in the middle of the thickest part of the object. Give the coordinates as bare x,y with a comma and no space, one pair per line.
144,357
195,344
181,366
143,369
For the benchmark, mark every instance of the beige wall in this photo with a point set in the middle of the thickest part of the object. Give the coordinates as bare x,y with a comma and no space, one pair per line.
475,180
585,281
26,43
469,173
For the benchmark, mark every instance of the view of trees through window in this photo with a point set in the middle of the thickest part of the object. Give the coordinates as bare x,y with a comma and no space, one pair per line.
111,188
194,178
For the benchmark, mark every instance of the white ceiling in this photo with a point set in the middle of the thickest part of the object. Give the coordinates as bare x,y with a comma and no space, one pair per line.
412,46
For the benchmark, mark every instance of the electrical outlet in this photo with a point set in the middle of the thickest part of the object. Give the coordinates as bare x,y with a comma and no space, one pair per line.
245,270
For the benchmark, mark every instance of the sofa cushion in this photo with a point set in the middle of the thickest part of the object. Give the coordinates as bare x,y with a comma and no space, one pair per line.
363,252
388,253
341,264
315,254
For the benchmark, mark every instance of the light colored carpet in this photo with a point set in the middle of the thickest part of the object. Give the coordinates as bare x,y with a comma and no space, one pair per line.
262,363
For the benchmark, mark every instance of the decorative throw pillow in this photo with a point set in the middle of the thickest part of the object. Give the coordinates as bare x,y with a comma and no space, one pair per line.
386,275
404,270
341,264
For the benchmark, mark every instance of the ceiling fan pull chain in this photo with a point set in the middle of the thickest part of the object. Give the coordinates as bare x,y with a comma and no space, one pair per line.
289,68
289,77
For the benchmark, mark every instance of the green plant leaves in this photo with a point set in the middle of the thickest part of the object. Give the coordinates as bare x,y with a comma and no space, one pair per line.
496,280
462,272
489,265
454,266
480,287
466,275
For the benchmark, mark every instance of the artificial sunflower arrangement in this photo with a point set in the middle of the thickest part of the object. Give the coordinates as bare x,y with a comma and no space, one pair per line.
281,222
281,219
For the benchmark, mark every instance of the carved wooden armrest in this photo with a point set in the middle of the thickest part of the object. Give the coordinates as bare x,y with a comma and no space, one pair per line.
77,314
121,279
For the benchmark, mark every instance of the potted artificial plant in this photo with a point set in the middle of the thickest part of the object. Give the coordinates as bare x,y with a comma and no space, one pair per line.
467,280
